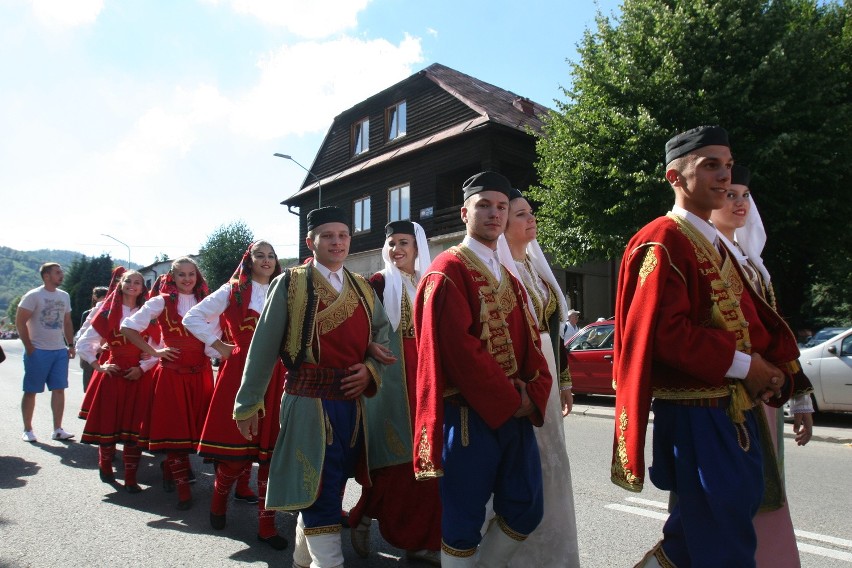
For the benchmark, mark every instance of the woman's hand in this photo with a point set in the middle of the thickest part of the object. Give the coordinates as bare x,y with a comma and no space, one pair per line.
133,374
109,368
167,353
381,353
225,349
567,398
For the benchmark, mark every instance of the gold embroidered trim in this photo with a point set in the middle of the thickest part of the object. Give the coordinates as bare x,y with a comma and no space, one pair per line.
424,451
427,291
684,394
359,416
316,531
392,440
497,300
621,475
449,550
649,263
663,248
250,323
465,426
329,431
338,307
406,322
514,535
297,307
310,476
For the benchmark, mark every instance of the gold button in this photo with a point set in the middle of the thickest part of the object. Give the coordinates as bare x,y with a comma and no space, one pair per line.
747,344
736,303
743,323
726,284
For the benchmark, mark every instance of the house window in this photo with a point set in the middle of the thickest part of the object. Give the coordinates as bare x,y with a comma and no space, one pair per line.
360,136
395,120
362,215
399,203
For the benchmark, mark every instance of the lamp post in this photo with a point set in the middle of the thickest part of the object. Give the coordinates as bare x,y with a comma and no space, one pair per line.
120,242
319,185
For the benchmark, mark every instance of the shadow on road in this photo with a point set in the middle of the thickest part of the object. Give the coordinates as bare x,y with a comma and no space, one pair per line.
73,454
13,470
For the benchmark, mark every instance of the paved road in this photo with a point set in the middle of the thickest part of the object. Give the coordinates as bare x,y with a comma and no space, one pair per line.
54,511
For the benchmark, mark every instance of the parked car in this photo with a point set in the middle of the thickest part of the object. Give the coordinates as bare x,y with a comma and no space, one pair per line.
829,367
822,335
590,358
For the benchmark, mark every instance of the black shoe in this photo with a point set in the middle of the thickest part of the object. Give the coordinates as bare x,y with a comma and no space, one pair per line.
107,477
248,497
184,505
133,488
218,522
168,482
276,541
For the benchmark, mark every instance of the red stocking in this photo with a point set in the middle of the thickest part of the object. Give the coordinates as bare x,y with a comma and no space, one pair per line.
179,465
132,454
105,455
265,517
227,473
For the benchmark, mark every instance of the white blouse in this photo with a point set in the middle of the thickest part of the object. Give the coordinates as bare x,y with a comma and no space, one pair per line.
152,309
91,341
202,320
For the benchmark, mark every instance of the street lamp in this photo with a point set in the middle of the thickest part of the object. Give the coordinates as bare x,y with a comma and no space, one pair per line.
120,242
319,186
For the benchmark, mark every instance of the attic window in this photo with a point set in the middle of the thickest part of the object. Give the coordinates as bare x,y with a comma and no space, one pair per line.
524,105
395,120
361,136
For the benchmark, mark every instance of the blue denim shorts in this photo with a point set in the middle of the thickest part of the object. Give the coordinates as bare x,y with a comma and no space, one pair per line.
45,367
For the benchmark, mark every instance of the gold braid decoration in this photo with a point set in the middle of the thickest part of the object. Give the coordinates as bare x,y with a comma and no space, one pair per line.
620,473
310,477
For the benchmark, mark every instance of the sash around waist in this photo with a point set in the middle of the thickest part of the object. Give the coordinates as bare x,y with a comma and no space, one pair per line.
316,382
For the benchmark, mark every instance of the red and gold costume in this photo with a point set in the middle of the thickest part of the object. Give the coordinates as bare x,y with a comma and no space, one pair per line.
475,342
682,310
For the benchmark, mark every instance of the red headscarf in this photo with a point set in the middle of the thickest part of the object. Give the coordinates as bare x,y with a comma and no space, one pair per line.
240,282
108,315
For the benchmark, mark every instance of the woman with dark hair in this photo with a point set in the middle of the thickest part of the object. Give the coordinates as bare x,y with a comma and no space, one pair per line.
408,511
238,304
124,384
183,379
554,541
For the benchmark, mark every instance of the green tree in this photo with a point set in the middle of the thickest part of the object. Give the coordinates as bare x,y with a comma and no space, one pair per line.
774,73
83,275
12,310
222,252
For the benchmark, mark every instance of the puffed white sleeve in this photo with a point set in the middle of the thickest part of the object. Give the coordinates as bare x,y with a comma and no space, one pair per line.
88,344
141,319
202,319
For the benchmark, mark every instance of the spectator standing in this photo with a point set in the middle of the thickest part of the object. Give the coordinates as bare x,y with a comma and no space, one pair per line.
44,325
570,327
98,294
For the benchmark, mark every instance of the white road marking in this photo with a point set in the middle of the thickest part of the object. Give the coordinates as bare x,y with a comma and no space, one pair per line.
638,511
803,546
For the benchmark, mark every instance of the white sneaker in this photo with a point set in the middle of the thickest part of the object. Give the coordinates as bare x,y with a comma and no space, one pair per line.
61,434
29,436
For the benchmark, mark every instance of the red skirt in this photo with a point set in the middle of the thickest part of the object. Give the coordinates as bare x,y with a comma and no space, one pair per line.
118,410
182,392
220,438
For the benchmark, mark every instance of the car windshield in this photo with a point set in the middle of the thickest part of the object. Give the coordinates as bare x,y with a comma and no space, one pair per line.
595,337
824,335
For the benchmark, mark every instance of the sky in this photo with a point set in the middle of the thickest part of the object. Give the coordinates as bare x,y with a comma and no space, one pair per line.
155,122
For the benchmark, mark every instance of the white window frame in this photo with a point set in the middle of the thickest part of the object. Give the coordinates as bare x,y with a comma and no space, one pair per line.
361,136
397,195
361,215
396,120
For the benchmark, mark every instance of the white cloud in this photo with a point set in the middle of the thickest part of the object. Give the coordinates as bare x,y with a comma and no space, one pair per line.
305,18
304,86
66,13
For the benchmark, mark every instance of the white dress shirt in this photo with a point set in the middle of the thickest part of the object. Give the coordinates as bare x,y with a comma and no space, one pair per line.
486,254
334,277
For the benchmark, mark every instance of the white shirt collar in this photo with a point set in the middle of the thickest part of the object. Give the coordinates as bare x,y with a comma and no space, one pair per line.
485,253
703,227
327,272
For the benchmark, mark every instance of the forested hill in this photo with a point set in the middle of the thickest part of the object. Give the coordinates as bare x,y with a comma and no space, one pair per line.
19,270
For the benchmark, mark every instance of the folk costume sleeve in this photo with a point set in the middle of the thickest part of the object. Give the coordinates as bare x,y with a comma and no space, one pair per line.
263,351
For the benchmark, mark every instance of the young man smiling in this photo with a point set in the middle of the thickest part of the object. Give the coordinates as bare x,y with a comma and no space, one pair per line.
319,319
689,335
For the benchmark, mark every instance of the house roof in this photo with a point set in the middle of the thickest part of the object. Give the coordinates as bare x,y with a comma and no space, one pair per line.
493,105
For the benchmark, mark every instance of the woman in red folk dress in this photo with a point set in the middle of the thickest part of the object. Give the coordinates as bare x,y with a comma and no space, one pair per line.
102,355
183,378
237,304
121,400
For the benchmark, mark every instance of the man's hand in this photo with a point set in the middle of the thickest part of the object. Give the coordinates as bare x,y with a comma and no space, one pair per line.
248,426
72,351
764,380
381,353
527,407
355,384
803,427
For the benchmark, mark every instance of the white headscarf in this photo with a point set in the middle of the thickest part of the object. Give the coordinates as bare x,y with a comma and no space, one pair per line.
393,277
539,263
752,239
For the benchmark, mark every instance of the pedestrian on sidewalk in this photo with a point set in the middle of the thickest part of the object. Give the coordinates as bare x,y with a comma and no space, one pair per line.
43,320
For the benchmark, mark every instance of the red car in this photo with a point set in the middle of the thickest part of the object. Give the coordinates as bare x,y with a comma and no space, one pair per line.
590,358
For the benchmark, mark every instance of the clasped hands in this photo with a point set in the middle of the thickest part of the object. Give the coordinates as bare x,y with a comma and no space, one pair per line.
764,380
